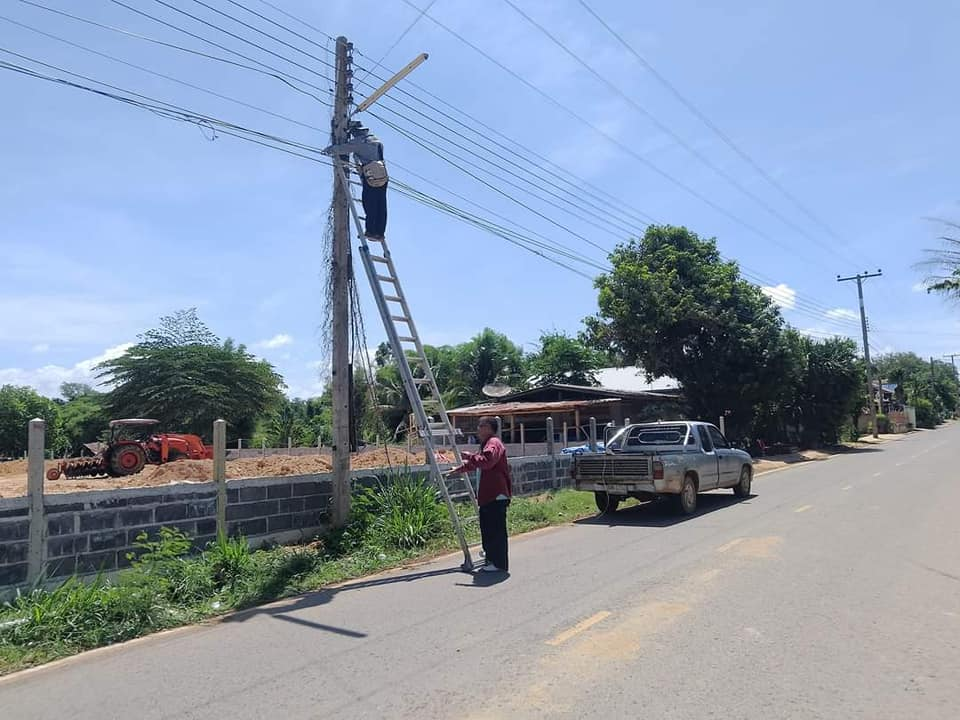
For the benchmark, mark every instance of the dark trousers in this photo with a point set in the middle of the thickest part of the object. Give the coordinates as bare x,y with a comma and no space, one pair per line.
493,532
375,209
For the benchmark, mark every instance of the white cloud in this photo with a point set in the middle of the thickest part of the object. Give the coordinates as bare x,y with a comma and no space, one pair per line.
919,287
40,348
47,379
278,340
818,333
783,295
842,314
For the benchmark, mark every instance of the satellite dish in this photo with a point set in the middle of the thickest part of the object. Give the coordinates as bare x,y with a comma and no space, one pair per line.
496,391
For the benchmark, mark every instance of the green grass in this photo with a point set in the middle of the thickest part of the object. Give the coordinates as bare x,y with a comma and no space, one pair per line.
392,524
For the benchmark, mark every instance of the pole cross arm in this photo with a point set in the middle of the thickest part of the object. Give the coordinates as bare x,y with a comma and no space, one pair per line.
382,90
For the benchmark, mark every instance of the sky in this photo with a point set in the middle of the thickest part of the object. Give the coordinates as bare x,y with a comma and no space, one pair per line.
113,216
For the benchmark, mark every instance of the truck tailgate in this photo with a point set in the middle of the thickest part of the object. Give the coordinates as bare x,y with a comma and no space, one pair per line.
611,467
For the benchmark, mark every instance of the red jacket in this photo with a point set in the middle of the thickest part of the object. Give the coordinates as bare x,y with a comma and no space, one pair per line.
491,461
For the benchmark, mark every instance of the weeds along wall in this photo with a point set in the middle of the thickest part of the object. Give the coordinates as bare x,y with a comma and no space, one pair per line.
93,531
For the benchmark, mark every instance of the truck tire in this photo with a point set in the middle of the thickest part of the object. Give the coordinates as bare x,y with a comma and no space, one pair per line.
606,503
686,500
742,488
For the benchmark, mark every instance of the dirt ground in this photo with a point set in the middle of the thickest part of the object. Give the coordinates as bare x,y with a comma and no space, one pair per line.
13,474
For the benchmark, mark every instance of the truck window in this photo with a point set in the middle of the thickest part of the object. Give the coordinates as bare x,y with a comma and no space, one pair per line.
705,440
641,436
718,439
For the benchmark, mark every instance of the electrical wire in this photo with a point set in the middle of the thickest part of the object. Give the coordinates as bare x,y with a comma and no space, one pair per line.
707,122
406,31
664,128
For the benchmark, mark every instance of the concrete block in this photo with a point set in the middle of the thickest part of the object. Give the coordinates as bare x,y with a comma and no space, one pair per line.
207,527
12,553
14,530
279,522
283,490
247,527
311,518
61,567
170,513
13,574
252,494
316,502
97,562
202,508
132,517
306,488
245,511
108,540
102,520
61,524
67,545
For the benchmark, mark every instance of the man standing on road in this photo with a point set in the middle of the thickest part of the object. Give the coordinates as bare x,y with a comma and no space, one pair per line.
493,496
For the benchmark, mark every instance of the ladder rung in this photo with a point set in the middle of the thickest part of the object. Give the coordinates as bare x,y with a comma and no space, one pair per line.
421,381
393,298
400,318
387,278
414,358
406,338
379,240
379,259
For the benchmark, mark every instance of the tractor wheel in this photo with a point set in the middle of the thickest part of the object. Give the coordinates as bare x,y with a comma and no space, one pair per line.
54,474
127,460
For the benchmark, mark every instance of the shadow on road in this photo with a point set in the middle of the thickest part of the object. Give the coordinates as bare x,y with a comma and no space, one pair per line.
662,513
485,579
287,610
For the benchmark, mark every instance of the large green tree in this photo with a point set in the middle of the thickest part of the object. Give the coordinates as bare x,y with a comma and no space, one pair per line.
931,387
181,374
673,306
563,359
18,406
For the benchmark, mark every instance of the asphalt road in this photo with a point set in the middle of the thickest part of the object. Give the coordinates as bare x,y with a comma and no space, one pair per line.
834,592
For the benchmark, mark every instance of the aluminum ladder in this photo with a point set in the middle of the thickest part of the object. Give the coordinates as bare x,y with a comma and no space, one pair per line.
433,425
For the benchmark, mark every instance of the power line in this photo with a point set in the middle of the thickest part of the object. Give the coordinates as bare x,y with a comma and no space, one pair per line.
706,121
403,34
270,72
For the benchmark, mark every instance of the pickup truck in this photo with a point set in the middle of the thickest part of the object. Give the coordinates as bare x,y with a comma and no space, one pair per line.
651,460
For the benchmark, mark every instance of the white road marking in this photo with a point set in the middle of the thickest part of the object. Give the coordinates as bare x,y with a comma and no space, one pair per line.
803,508
847,487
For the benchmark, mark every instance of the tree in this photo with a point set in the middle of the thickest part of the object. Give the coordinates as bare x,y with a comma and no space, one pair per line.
943,264
672,306
182,375
488,358
18,406
920,379
83,415
825,392
563,359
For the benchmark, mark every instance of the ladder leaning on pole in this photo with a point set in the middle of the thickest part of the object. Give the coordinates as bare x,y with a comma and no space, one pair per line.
434,425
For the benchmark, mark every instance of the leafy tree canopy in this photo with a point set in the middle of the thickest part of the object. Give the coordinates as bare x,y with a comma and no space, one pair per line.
563,359
182,375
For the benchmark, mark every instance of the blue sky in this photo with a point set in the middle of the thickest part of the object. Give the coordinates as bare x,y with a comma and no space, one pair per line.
113,216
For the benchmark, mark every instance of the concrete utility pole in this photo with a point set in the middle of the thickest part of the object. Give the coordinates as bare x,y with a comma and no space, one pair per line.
860,277
953,360
340,271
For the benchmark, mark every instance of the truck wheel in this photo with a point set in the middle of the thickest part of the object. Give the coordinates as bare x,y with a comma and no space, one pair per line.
606,503
742,488
127,460
686,501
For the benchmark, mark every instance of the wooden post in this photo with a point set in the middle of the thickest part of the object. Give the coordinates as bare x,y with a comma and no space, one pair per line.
220,473
576,422
37,551
513,429
523,442
593,434
551,451
565,433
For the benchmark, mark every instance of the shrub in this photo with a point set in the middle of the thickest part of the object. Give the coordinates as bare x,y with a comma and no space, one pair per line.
401,512
883,423
228,560
926,413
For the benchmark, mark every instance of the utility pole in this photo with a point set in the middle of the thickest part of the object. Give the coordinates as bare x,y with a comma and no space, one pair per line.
953,359
860,277
340,286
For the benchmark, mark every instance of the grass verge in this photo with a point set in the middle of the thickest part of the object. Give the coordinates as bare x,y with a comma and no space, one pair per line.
393,524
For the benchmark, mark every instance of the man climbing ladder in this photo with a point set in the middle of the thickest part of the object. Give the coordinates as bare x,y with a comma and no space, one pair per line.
367,151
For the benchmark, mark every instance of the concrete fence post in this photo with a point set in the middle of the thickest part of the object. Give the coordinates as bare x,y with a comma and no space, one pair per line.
551,451
626,421
499,427
565,433
289,445
220,473
723,425
593,434
37,552
523,441
263,448
320,443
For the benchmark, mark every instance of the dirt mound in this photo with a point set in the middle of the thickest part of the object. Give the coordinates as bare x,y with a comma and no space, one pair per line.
13,474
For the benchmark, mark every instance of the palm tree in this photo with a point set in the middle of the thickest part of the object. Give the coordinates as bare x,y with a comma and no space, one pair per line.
943,264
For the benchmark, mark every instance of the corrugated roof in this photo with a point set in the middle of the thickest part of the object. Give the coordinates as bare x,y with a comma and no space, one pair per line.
527,408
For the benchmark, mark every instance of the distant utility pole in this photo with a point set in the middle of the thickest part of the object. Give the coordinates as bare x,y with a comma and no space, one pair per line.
340,286
953,360
860,277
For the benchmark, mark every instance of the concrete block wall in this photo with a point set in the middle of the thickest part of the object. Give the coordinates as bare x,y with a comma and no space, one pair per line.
93,531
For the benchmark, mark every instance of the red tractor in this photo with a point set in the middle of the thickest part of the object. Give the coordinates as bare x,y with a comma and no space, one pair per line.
133,444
